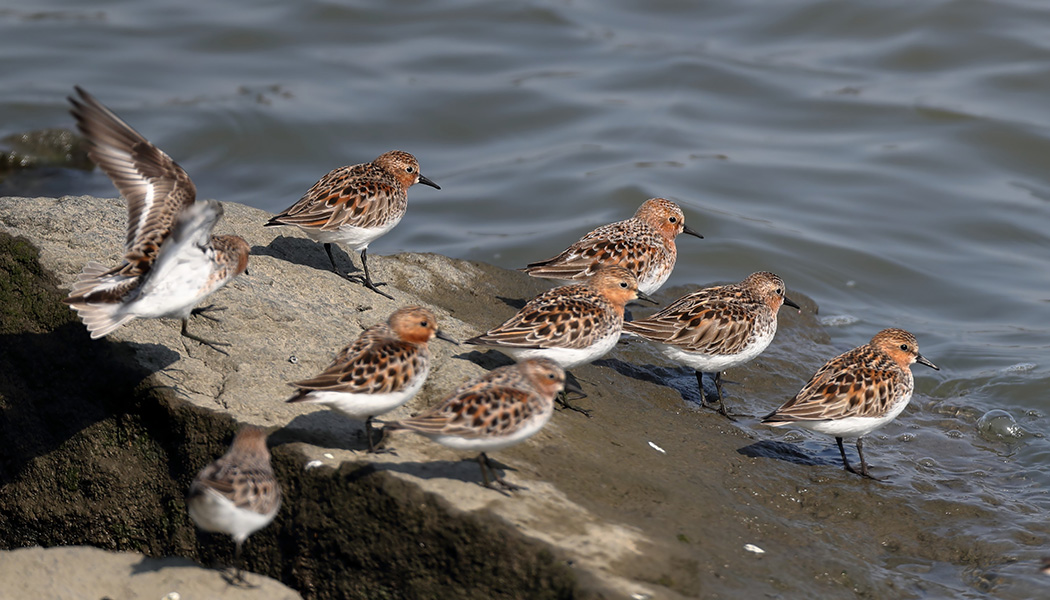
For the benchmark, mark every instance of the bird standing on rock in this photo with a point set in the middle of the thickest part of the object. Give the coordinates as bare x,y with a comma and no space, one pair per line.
716,328
381,370
354,205
857,392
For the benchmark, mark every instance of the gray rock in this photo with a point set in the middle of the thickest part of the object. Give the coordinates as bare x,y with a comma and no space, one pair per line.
79,572
652,497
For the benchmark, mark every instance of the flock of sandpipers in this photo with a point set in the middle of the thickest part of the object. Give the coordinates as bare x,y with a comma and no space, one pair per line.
172,262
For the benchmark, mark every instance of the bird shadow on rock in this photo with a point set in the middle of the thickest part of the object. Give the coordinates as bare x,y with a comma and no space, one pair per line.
783,451
304,252
325,429
490,359
149,564
153,356
680,380
515,303
465,469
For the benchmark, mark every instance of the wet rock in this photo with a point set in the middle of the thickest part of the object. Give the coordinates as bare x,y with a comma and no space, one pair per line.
45,162
44,148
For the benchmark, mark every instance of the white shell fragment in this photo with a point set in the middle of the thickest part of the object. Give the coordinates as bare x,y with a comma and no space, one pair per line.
657,448
313,464
754,548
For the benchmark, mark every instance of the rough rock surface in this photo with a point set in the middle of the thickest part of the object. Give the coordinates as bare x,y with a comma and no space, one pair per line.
651,497
85,572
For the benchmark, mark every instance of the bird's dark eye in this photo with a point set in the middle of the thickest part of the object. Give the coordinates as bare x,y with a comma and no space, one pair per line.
550,375
410,169
780,291
904,347
422,323
623,284
673,219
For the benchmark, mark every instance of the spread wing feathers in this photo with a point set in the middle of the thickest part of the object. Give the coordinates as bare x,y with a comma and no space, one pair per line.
705,321
156,188
551,320
248,484
838,390
609,244
359,196
97,296
381,367
478,411
96,283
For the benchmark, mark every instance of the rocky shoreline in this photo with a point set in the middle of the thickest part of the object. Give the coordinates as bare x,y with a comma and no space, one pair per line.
653,497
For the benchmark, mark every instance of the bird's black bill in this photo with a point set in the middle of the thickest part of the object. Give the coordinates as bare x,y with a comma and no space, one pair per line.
426,181
645,298
922,359
441,335
791,303
687,230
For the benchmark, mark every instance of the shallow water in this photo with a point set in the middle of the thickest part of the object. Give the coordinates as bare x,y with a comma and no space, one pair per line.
888,159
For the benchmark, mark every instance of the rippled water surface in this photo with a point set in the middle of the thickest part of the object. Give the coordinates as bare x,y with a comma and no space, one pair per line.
889,159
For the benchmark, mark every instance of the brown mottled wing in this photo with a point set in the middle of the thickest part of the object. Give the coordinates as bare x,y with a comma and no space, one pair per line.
479,410
156,188
98,283
378,365
248,484
359,195
839,389
716,320
552,319
629,244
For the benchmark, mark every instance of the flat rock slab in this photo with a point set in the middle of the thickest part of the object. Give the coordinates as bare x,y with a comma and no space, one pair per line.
83,572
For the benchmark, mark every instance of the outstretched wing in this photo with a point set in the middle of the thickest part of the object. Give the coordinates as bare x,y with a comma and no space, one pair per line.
156,188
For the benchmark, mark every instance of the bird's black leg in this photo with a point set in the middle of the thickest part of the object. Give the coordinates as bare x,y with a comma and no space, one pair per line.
483,461
213,345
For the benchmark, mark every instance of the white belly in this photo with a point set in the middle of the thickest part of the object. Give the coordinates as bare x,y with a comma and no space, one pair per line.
355,238
714,363
652,281
216,513
493,444
176,284
567,358
647,284
362,406
854,427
